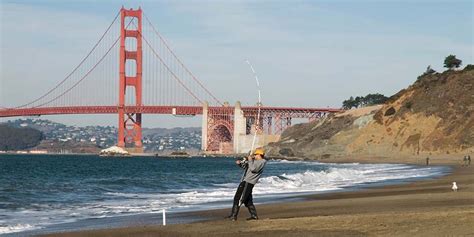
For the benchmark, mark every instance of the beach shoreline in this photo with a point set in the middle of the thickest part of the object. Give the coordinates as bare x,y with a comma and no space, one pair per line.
424,207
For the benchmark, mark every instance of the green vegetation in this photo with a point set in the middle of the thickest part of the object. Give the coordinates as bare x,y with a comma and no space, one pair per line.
452,62
18,138
368,100
469,67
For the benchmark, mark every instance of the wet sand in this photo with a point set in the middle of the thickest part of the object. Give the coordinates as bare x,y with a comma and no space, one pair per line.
423,208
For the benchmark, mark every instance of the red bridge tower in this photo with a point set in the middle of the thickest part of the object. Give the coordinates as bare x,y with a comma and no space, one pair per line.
130,123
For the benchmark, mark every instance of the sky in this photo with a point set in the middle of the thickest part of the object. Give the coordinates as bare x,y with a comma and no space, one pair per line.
306,53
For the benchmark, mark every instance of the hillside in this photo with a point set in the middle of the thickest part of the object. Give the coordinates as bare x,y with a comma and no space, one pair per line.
435,115
18,138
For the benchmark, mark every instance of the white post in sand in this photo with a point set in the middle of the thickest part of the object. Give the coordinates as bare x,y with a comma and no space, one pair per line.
164,217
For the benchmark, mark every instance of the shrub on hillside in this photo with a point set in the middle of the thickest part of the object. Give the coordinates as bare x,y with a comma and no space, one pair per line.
469,67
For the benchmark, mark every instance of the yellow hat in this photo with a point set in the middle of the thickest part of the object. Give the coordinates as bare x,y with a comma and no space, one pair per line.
259,151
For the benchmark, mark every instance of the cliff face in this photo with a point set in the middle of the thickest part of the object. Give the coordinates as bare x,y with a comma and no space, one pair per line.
435,115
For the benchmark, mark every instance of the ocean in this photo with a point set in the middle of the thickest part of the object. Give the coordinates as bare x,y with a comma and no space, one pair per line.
50,193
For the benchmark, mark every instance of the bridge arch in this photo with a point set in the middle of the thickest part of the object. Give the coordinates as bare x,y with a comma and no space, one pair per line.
220,136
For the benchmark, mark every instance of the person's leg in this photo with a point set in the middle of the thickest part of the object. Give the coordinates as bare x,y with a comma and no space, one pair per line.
249,203
236,204
252,210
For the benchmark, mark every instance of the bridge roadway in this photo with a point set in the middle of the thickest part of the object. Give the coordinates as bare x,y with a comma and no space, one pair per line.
174,110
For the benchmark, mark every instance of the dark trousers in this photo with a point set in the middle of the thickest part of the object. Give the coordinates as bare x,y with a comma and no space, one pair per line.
243,195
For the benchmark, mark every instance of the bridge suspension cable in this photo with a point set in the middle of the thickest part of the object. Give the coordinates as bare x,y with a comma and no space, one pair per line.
87,74
180,62
169,69
76,68
82,79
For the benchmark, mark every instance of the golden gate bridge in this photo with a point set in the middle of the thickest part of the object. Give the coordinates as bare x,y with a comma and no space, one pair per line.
131,70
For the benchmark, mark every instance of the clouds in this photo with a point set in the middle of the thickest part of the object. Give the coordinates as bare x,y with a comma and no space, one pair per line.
306,53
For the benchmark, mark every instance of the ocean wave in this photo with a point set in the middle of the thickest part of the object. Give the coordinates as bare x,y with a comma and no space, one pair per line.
16,228
307,181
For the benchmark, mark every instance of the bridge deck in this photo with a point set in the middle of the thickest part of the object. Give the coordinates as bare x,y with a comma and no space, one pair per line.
175,110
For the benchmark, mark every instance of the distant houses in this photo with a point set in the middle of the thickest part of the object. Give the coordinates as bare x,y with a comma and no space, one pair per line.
154,140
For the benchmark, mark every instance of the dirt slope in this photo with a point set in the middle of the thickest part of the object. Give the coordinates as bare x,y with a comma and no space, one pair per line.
435,115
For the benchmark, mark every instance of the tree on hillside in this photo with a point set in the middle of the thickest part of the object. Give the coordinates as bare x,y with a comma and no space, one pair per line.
375,99
360,101
349,103
452,62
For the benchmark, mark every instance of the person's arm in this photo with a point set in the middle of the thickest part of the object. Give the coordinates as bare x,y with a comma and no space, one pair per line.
255,167
241,164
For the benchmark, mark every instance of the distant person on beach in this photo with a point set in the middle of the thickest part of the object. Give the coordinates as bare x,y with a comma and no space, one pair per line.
468,160
253,167
427,161
464,161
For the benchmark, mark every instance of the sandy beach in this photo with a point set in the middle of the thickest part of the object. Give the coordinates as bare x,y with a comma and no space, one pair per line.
423,208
